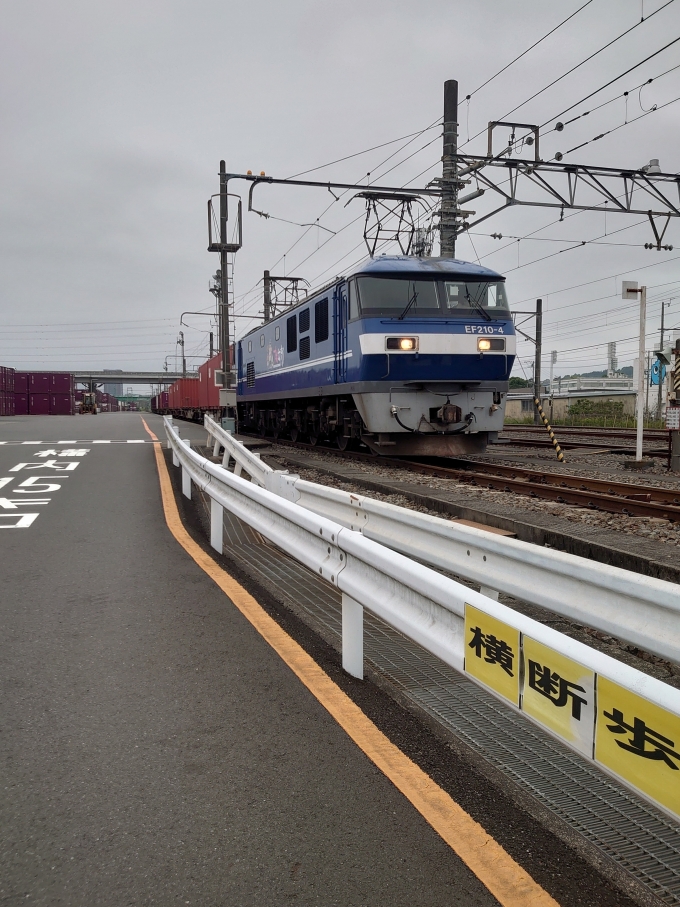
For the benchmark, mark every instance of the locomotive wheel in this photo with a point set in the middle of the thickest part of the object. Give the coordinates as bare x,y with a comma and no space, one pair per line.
313,439
294,432
342,442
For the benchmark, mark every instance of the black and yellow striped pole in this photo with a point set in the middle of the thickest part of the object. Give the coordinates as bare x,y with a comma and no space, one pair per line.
558,449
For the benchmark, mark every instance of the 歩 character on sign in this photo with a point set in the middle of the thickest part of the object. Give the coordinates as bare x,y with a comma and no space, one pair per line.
661,748
555,688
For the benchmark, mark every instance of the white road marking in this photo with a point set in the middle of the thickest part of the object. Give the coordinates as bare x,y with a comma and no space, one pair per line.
23,520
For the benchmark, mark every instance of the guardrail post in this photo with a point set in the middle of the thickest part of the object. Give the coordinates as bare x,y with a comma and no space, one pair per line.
352,637
216,447
175,458
186,483
490,593
168,444
226,459
216,525
238,469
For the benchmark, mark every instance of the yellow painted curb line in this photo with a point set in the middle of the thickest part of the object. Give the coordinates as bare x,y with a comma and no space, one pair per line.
511,885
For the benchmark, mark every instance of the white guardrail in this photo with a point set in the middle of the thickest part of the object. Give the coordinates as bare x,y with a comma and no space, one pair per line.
624,720
640,610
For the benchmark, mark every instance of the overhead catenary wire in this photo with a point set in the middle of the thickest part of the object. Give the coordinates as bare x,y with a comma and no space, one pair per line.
525,52
577,66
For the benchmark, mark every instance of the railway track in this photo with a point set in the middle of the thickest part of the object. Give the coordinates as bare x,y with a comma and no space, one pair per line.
604,446
563,488
650,434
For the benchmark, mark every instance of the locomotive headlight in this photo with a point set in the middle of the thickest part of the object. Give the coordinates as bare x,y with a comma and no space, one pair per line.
405,344
485,344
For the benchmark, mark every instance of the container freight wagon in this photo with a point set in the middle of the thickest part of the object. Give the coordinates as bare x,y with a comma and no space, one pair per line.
161,403
191,398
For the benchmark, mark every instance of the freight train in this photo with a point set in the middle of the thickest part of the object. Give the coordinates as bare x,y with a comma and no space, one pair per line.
408,356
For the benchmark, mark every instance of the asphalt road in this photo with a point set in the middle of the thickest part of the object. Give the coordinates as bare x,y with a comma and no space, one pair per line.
154,749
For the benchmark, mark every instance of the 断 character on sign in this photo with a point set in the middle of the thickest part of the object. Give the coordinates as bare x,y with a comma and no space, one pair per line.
555,688
497,651
661,747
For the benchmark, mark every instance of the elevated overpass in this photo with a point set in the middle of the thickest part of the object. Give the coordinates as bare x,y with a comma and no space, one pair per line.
129,377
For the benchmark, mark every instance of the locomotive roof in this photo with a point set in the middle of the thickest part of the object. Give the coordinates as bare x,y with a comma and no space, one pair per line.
398,265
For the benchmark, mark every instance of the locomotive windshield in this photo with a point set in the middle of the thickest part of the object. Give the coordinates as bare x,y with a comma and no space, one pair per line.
395,297
392,296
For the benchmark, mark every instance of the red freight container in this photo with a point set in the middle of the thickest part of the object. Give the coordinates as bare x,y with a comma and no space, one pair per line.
186,393
209,392
39,404
39,383
20,382
61,405
21,404
61,383
9,404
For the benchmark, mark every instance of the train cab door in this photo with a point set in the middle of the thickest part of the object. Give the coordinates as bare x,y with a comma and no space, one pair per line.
340,320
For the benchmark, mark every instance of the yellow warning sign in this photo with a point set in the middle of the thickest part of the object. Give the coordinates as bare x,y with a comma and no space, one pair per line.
560,693
492,653
640,741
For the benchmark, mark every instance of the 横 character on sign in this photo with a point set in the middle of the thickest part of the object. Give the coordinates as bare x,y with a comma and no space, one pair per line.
497,651
660,748
555,688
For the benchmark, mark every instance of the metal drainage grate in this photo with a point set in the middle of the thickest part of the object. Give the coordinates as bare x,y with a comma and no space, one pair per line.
640,838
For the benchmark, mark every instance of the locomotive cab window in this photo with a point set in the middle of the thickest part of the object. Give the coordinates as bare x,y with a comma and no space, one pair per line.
466,295
352,300
395,297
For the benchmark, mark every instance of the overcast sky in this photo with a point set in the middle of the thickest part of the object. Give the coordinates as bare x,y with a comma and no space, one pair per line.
115,116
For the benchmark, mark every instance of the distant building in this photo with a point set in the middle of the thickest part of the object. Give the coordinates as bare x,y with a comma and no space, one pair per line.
115,389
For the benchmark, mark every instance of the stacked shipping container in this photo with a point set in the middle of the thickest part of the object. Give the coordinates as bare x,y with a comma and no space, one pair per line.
6,391
36,393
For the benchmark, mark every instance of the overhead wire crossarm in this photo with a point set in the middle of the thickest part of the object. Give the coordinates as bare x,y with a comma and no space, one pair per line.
574,186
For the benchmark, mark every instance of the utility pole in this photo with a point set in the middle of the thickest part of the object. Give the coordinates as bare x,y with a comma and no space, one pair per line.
212,351
553,360
659,402
449,183
628,289
267,296
537,361
224,278
184,361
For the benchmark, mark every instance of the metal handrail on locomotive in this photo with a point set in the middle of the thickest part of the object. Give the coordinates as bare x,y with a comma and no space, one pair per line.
409,356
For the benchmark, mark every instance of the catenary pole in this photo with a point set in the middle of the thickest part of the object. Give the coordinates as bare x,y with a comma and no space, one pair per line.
641,376
660,398
537,361
267,296
224,277
449,204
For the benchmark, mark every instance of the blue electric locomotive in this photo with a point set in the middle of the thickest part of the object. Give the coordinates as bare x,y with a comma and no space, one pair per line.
410,356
